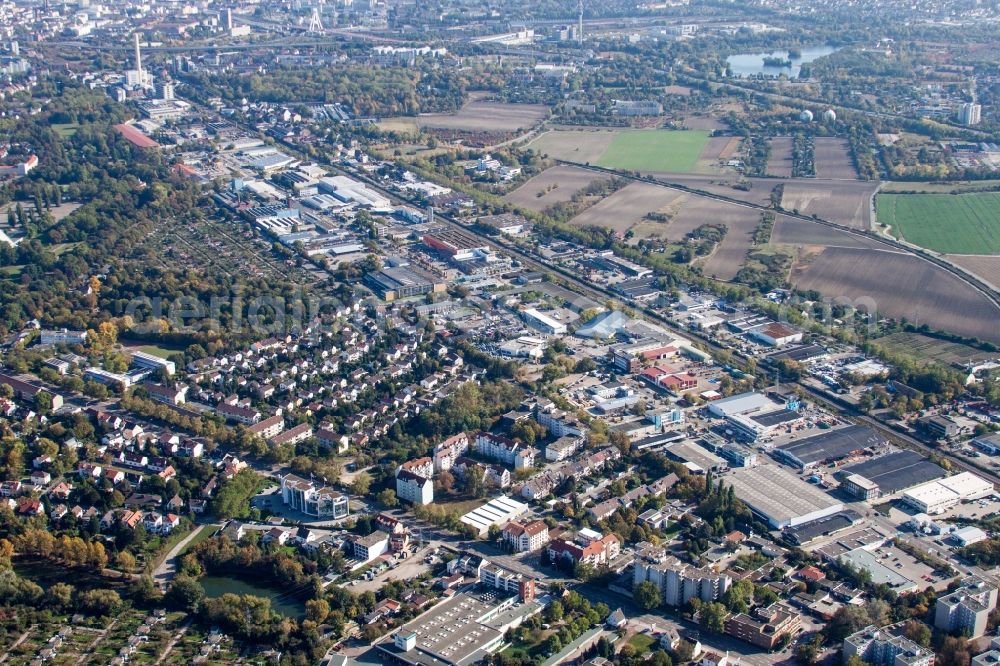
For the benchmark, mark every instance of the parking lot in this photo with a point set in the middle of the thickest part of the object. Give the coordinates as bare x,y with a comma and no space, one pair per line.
405,569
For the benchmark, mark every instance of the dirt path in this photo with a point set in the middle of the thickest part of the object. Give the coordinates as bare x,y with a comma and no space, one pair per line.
173,642
14,645
89,650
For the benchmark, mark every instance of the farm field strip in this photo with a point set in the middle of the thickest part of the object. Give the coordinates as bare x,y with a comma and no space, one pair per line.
780,162
656,149
931,349
985,266
487,117
793,231
901,285
639,150
552,186
627,207
958,224
833,158
844,202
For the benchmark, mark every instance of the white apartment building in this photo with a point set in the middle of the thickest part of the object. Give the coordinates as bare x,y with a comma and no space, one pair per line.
322,502
881,647
450,450
967,609
526,537
506,450
678,581
414,488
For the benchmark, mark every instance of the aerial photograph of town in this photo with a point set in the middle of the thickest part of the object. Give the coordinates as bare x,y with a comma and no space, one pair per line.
499,332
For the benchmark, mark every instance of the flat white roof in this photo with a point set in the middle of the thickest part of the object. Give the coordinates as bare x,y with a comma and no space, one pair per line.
740,404
967,485
931,493
543,318
497,511
970,532
962,486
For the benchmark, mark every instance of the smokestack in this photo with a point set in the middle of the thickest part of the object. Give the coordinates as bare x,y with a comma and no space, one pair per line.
138,60
229,19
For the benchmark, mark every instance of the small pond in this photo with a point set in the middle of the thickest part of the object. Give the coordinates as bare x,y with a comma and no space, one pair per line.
283,604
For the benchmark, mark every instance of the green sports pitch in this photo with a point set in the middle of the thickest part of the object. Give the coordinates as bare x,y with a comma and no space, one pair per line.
655,150
949,223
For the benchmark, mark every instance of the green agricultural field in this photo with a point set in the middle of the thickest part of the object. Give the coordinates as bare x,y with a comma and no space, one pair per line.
655,150
954,224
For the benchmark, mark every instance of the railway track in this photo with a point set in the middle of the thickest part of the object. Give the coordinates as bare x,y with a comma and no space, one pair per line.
591,290
968,278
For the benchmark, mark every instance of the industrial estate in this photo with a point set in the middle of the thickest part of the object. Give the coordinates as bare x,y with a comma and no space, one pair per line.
516,334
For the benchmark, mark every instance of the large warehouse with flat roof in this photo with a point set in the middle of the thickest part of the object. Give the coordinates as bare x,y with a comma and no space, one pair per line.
828,446
780,497
458,631
744,403
498,511
890,474
941,495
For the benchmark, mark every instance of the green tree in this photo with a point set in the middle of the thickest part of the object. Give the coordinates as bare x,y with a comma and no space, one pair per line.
554,612
713,617
59,597
646,595
387,498
361,484
185,594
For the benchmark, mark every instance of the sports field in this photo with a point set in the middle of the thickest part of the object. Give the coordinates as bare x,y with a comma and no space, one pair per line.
676,151
957,224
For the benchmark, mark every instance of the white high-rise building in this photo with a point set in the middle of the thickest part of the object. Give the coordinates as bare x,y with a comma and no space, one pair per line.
967,609
970,113
678,581
165,91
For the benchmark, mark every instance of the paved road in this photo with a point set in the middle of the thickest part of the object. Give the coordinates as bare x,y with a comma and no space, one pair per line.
168,568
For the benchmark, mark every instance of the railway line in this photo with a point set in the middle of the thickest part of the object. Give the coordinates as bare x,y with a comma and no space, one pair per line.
603,293
968,278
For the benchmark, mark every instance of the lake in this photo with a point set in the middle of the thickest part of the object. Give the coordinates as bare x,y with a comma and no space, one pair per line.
283,604
752,64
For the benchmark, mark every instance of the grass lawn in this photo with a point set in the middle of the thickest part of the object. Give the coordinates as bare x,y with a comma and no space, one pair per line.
462,506
156,350
655,150
60,248
205,532
642,643
956,224
66,130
